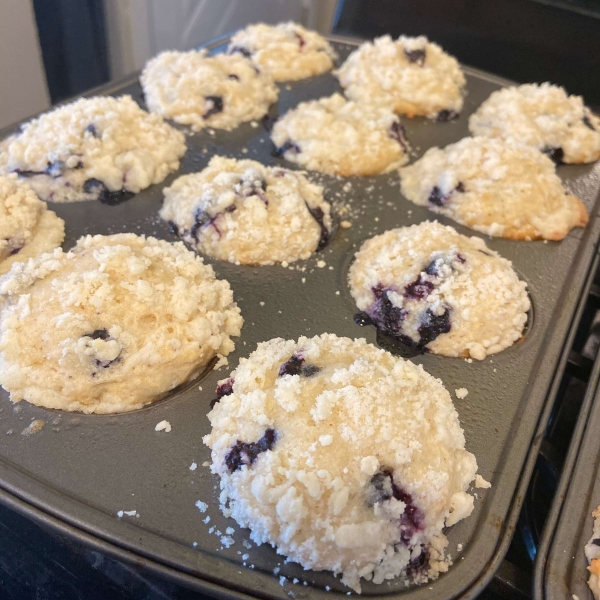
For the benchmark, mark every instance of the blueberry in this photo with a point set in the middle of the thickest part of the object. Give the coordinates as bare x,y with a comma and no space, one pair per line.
15,245
99,334
225,389
102,334
418,566
419,289
588,123
95,186
231,208
287,145
217,106
556,154
56,169
386,316
446,115
200,219
310,370
363,319
246,453
433,268
240,50
381,488
318,215
436,197
416,56
255,187
397,132
233,76
173,228
596,542
25,173
91,129
296,366
433,325
300,39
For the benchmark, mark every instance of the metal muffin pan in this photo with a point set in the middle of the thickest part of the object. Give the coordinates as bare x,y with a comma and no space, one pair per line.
80,470
561,567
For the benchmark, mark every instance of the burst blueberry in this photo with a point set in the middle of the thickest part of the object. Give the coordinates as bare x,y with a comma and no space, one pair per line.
105,196
297,365
416,56
216,106
318,215
288,145
246,453
555,154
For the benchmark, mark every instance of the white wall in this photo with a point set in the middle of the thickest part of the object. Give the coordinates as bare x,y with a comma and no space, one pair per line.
23,90
139,29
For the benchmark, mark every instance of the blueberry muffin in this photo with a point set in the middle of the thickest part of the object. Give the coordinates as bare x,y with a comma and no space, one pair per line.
112,325
343,457
287,51
592,553
499,187
411,76
27,227
194,88
543,116
438,291
335,136
245,213
100,148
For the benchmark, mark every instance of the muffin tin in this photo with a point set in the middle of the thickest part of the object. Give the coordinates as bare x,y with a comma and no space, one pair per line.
561,566
79,471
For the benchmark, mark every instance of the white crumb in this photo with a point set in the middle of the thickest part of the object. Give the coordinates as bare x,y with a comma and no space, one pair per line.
346,224
193,466
321,264
480,482
163,426
201,506
461,393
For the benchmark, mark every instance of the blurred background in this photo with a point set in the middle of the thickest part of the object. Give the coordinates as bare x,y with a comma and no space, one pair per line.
51,50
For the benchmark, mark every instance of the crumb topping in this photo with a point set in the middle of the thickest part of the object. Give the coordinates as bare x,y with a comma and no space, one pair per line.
27,227
439,291
244,212
194,88
92,148
117,322
411,76
543,116
287,51
340,137
499,187
354,468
